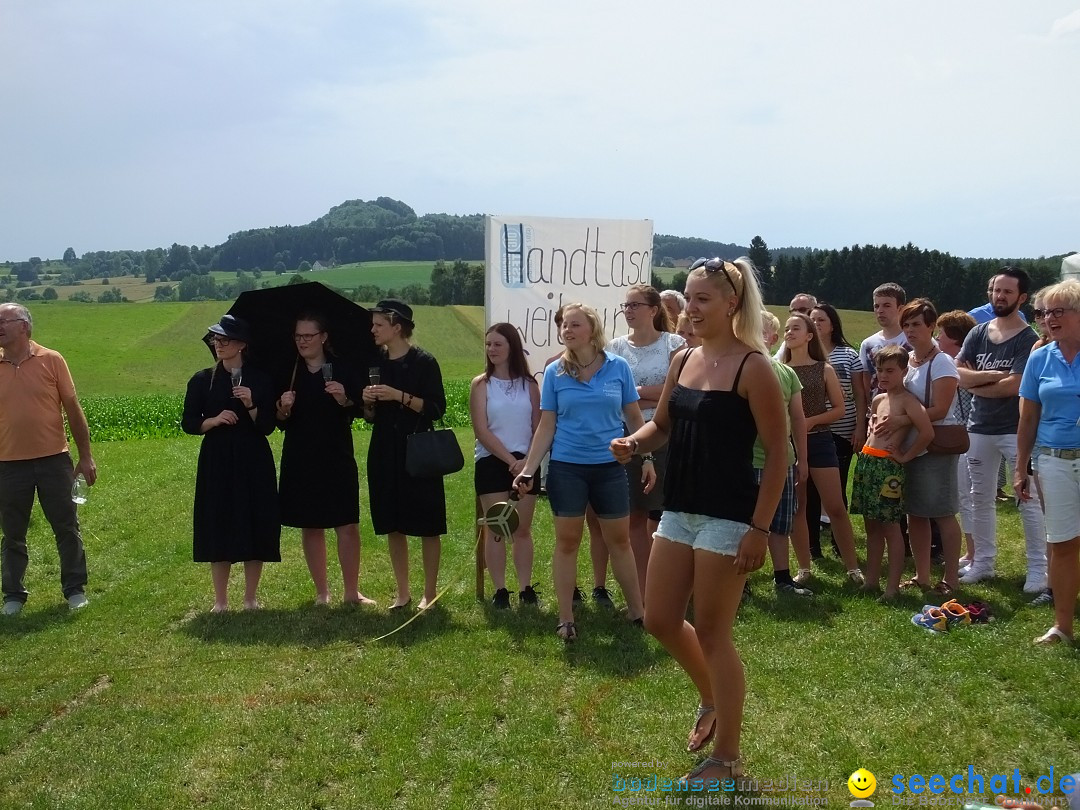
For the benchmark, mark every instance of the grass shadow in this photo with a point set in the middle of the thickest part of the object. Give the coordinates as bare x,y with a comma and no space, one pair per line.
28,623
315,626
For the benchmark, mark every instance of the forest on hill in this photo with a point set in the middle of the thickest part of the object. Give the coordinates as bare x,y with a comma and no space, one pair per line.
388,229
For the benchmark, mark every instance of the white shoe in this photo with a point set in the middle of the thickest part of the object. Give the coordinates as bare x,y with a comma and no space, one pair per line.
802,577
1035,583
77,600
12,607
976,574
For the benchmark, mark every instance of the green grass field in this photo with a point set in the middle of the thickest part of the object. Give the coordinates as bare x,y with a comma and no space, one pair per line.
129,350
144,699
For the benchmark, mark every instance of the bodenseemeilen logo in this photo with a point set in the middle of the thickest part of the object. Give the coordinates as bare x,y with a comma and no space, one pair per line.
977,783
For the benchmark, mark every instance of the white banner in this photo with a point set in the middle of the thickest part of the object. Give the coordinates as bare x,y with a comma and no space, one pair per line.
537,264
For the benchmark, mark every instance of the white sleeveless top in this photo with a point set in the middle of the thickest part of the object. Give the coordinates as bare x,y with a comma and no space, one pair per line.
509,415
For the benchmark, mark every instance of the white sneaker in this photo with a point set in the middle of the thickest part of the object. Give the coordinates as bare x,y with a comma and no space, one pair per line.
975,574
77,600
12,607
1035,583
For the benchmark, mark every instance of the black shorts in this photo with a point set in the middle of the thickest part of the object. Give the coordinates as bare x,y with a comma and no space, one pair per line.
492,475
821,449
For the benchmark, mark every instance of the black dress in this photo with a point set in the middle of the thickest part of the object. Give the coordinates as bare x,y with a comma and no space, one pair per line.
399,502
320,484
236,504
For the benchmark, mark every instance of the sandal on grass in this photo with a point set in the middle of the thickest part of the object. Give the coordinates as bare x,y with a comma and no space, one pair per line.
702,712
567,631
943,588
913,583
695,780
1053,636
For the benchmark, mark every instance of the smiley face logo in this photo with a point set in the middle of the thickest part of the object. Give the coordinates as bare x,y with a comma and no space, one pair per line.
862,784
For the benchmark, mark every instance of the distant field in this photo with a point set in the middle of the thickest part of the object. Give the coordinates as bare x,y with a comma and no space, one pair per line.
116,349
386,275
122,349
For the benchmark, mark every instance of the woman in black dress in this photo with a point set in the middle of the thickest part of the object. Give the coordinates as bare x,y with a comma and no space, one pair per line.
236,507
320,484
408,398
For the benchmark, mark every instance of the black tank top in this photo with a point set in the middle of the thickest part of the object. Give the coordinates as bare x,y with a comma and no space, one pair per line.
710,467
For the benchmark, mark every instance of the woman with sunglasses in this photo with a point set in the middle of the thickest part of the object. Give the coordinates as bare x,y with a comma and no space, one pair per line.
849,431
407,398
236,507
715,527
648,349
320,483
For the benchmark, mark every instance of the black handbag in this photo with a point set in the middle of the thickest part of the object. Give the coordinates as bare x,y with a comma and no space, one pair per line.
433,454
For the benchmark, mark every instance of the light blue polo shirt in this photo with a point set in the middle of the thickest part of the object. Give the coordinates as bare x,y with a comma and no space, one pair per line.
1055,385
588,415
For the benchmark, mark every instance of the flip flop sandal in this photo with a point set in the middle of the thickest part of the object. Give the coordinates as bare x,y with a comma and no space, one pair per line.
567,631
702,712
696,782
942,589
907,584
1053,636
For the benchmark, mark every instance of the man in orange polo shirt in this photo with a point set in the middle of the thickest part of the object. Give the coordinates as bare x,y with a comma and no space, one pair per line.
35,392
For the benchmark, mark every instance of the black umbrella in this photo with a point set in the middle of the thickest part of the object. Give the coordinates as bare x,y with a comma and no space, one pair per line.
271,313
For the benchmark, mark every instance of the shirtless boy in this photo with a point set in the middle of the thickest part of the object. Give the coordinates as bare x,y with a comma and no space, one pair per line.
878,489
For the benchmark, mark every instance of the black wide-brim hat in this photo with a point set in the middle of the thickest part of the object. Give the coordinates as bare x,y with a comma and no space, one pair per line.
232,327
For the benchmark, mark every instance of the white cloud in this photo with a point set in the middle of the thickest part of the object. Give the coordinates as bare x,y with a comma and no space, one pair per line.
1064,26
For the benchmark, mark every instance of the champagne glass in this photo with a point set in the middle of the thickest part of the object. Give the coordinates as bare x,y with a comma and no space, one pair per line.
327,372
236,375
373,375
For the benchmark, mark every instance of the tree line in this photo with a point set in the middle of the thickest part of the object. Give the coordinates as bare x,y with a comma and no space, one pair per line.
846,278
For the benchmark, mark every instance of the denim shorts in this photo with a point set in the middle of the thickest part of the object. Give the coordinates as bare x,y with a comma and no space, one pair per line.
572,487
821,449
702,532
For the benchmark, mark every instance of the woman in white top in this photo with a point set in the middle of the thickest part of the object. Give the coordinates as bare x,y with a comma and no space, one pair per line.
930,491
504,404
648,349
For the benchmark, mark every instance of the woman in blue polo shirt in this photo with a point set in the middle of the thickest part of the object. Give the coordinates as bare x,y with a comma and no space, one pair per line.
586,397
1048,435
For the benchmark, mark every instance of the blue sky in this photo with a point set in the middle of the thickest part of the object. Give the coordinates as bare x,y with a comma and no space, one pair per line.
951,125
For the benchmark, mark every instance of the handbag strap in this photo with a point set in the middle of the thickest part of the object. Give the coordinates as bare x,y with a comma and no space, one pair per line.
930,376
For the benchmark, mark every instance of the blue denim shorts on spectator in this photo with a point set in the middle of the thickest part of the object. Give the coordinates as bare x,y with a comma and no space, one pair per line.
573,487
702,532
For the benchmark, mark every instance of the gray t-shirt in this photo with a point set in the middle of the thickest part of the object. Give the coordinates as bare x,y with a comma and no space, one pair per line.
995,416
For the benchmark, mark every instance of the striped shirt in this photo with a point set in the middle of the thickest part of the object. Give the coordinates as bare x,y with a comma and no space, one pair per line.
844,361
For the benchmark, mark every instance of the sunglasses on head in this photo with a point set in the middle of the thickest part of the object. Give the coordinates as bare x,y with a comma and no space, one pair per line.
713,266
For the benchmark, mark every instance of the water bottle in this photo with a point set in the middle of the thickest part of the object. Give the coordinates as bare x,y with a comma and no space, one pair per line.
79,490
